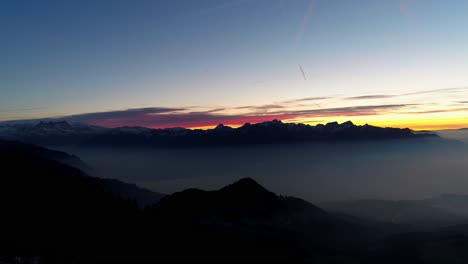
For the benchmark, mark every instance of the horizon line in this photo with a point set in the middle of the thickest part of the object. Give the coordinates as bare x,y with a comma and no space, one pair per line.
237,125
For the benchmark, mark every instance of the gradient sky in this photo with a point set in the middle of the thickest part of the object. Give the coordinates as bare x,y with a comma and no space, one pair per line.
198,63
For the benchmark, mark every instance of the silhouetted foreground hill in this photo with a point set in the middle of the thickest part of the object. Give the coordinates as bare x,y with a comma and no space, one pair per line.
253,222
33,151
51,208
11,150
55,213
60,132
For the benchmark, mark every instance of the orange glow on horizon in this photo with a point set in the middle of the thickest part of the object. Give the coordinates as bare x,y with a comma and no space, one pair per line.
415,121
412,124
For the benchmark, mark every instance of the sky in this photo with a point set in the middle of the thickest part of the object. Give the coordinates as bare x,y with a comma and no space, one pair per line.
399,63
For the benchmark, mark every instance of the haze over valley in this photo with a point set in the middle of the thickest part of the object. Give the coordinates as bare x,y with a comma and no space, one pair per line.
214,131
330,162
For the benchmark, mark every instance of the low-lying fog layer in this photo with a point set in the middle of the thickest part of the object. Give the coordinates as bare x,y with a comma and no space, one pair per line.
457,134
388,170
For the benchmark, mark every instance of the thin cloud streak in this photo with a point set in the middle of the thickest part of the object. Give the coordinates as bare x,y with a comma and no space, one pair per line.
289,110
21,109
439,111
442,90
175,117
121,114
384,96
364,97
305,21
262,107
306,99
381,96
366,110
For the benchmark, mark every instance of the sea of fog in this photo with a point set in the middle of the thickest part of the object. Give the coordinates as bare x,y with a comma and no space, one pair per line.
397,169
457,134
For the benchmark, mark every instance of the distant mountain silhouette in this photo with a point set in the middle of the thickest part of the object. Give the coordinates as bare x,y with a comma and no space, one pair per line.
261,133
61,132
53,126
49,132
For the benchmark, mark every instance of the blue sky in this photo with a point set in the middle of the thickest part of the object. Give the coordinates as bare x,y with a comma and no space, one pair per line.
61,58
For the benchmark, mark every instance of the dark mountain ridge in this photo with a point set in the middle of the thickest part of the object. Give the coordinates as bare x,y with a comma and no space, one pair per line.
261,133
61,132
49,132
234,202
13,151
45,203
39,152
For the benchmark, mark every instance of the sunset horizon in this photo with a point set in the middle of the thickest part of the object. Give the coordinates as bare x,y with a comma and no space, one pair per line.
399,63
406,110
309,131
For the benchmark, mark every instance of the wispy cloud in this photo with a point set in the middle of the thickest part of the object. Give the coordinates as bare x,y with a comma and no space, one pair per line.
21,109
174,117
352,110
364,97
292,110
438,111
299,100
285,110
131,117
216,110
442,90
384,96
266,107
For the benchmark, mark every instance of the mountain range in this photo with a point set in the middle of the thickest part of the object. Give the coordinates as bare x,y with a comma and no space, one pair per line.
53,212
62,133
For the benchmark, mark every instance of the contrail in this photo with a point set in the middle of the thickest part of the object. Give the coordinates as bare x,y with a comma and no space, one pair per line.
305,20
300,32
406,10
302,71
